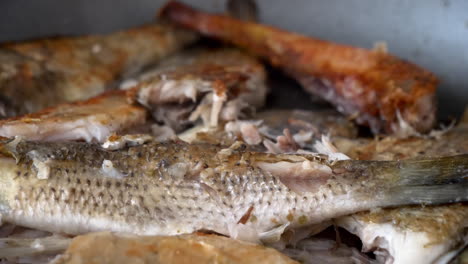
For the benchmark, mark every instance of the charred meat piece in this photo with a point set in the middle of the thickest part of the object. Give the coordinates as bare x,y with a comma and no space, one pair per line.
90,120
42,73
374,87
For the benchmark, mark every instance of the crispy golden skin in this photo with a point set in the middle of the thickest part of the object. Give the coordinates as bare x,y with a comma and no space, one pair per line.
371,86
428,229
45,72
90,120
193,248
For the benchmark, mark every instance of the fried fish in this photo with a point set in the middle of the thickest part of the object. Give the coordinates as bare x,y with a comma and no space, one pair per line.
423,234
376,88
175,188
214,84
42,73
210,84
92,120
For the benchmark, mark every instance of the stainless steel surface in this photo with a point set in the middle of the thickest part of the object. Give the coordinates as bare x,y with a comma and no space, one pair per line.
432,33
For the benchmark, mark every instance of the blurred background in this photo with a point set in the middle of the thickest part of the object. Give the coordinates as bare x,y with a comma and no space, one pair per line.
432,33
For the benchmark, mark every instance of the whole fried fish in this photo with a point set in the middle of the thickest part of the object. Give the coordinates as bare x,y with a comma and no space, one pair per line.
175,188
42,73
376,88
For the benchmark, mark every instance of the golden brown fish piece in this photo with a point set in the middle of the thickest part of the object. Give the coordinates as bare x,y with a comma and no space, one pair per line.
372,86
177,91
452,141
90,120
194,248
42,73
211,84
410,234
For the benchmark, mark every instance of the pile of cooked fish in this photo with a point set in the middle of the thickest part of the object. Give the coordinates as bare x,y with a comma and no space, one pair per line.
154,145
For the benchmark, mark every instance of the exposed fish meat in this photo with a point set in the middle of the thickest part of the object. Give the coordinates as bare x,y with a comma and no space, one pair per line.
278,131
90,120
319,122
410,234
175,188
371,86
211,84
42,73
171,91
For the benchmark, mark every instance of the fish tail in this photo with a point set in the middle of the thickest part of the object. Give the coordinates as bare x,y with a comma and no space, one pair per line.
430,181
423,181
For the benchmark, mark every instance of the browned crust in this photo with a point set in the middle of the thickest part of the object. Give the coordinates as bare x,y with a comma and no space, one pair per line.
107,113
77,68
192,248
372,84
55,109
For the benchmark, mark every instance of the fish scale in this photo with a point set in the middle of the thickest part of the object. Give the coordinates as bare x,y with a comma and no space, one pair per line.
175,187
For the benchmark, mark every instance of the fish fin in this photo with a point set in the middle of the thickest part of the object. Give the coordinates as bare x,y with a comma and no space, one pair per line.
8,148
21,247
425,181
427,194
444,170
245,232
273,235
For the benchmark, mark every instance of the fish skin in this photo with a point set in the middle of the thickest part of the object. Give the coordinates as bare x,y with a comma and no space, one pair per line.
92,120
45,72
372,86
409,234
174,188
170,90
